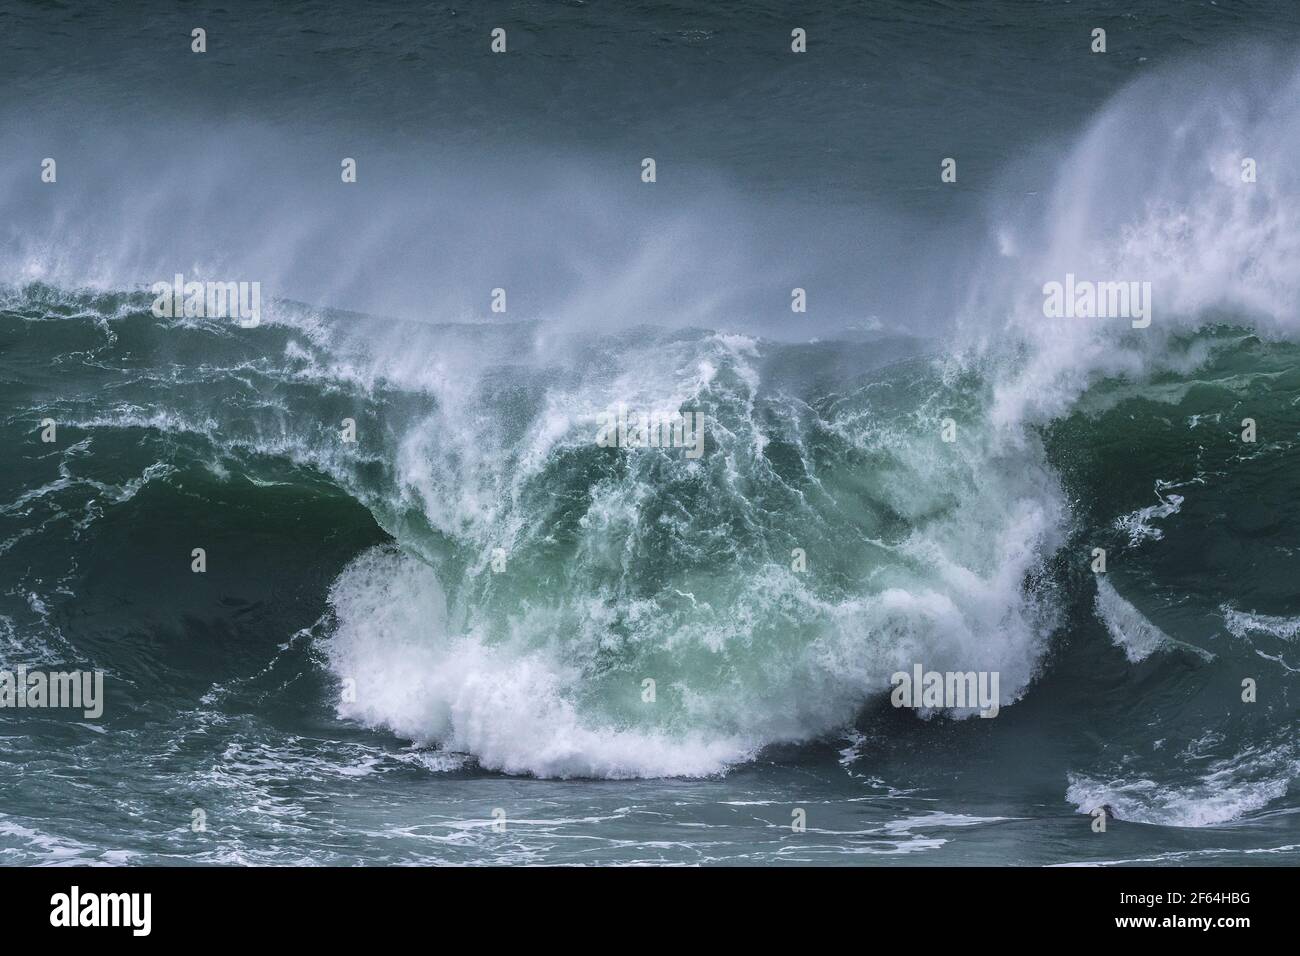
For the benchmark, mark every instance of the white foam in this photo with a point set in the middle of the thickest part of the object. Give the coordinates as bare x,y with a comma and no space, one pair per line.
1226,791
1150,192
510,710
1137,524
1241,624
1138,637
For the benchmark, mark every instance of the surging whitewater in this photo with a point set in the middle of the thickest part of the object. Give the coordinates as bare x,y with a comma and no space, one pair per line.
642,565
628,564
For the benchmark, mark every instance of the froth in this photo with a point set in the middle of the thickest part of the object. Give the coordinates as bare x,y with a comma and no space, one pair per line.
512,711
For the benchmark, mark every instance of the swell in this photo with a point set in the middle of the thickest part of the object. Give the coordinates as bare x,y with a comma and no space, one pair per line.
739,641
621,566
650,566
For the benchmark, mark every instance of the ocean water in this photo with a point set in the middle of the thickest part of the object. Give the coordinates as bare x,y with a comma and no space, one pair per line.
431,644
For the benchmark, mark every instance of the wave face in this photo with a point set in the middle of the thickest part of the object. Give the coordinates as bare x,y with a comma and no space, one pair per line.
475,586
625,564
622,565
618,564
